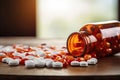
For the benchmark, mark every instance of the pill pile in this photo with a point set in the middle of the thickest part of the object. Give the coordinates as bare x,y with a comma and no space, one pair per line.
42,56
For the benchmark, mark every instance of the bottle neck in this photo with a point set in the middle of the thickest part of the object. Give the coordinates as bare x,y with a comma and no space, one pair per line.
78,43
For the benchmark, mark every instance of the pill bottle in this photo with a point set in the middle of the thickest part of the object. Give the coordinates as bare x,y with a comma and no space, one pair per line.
99,39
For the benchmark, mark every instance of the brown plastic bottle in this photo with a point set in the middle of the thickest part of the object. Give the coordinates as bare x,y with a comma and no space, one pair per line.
99,39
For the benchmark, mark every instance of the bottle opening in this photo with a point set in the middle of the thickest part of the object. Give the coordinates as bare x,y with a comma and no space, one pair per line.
76,44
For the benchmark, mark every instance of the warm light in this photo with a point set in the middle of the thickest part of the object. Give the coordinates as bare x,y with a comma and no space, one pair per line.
59,18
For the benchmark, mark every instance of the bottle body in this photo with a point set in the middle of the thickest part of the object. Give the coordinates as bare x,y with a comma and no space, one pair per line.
100,39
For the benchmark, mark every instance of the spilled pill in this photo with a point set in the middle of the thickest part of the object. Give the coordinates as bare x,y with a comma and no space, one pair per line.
75,63
57,64
40,63
2,54
4,60
49,63
83,63
41,56
92,61
8,59
13,62
29,64
95,59
48,59
40,53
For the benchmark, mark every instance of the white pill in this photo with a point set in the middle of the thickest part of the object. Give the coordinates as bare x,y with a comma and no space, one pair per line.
38,59
92,61
40,63
18,59
54,52
8,59
29,64
16,53
41,58
48,59
57,64
34,48
35,60
75,63
32,53
8,49
49,63
83,63
23,55
2,54
4,60
13,63
30,57
95,59
40,53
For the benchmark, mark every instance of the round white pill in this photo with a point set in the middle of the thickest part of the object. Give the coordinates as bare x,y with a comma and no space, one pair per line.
29,64
57,64
29,57
8,59
40,53
95,59
75,63
49,63
15,54
2,54
18,59
92,61
4,60
48,59
23,55
40,63
40,58
83,63
8,49
13,63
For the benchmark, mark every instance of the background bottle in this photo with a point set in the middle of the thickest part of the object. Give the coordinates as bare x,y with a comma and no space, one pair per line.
98,39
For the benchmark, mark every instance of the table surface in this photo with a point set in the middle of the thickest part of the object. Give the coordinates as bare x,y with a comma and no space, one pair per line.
108,66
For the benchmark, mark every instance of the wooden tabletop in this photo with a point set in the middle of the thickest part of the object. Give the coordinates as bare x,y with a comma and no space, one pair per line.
108,66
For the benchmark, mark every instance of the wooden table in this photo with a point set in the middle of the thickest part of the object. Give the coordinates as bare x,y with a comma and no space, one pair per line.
107,68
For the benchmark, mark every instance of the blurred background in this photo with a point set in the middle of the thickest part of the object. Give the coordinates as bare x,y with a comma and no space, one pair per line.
53,18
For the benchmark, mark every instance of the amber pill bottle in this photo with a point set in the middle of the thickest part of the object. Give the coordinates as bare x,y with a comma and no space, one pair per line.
99,39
